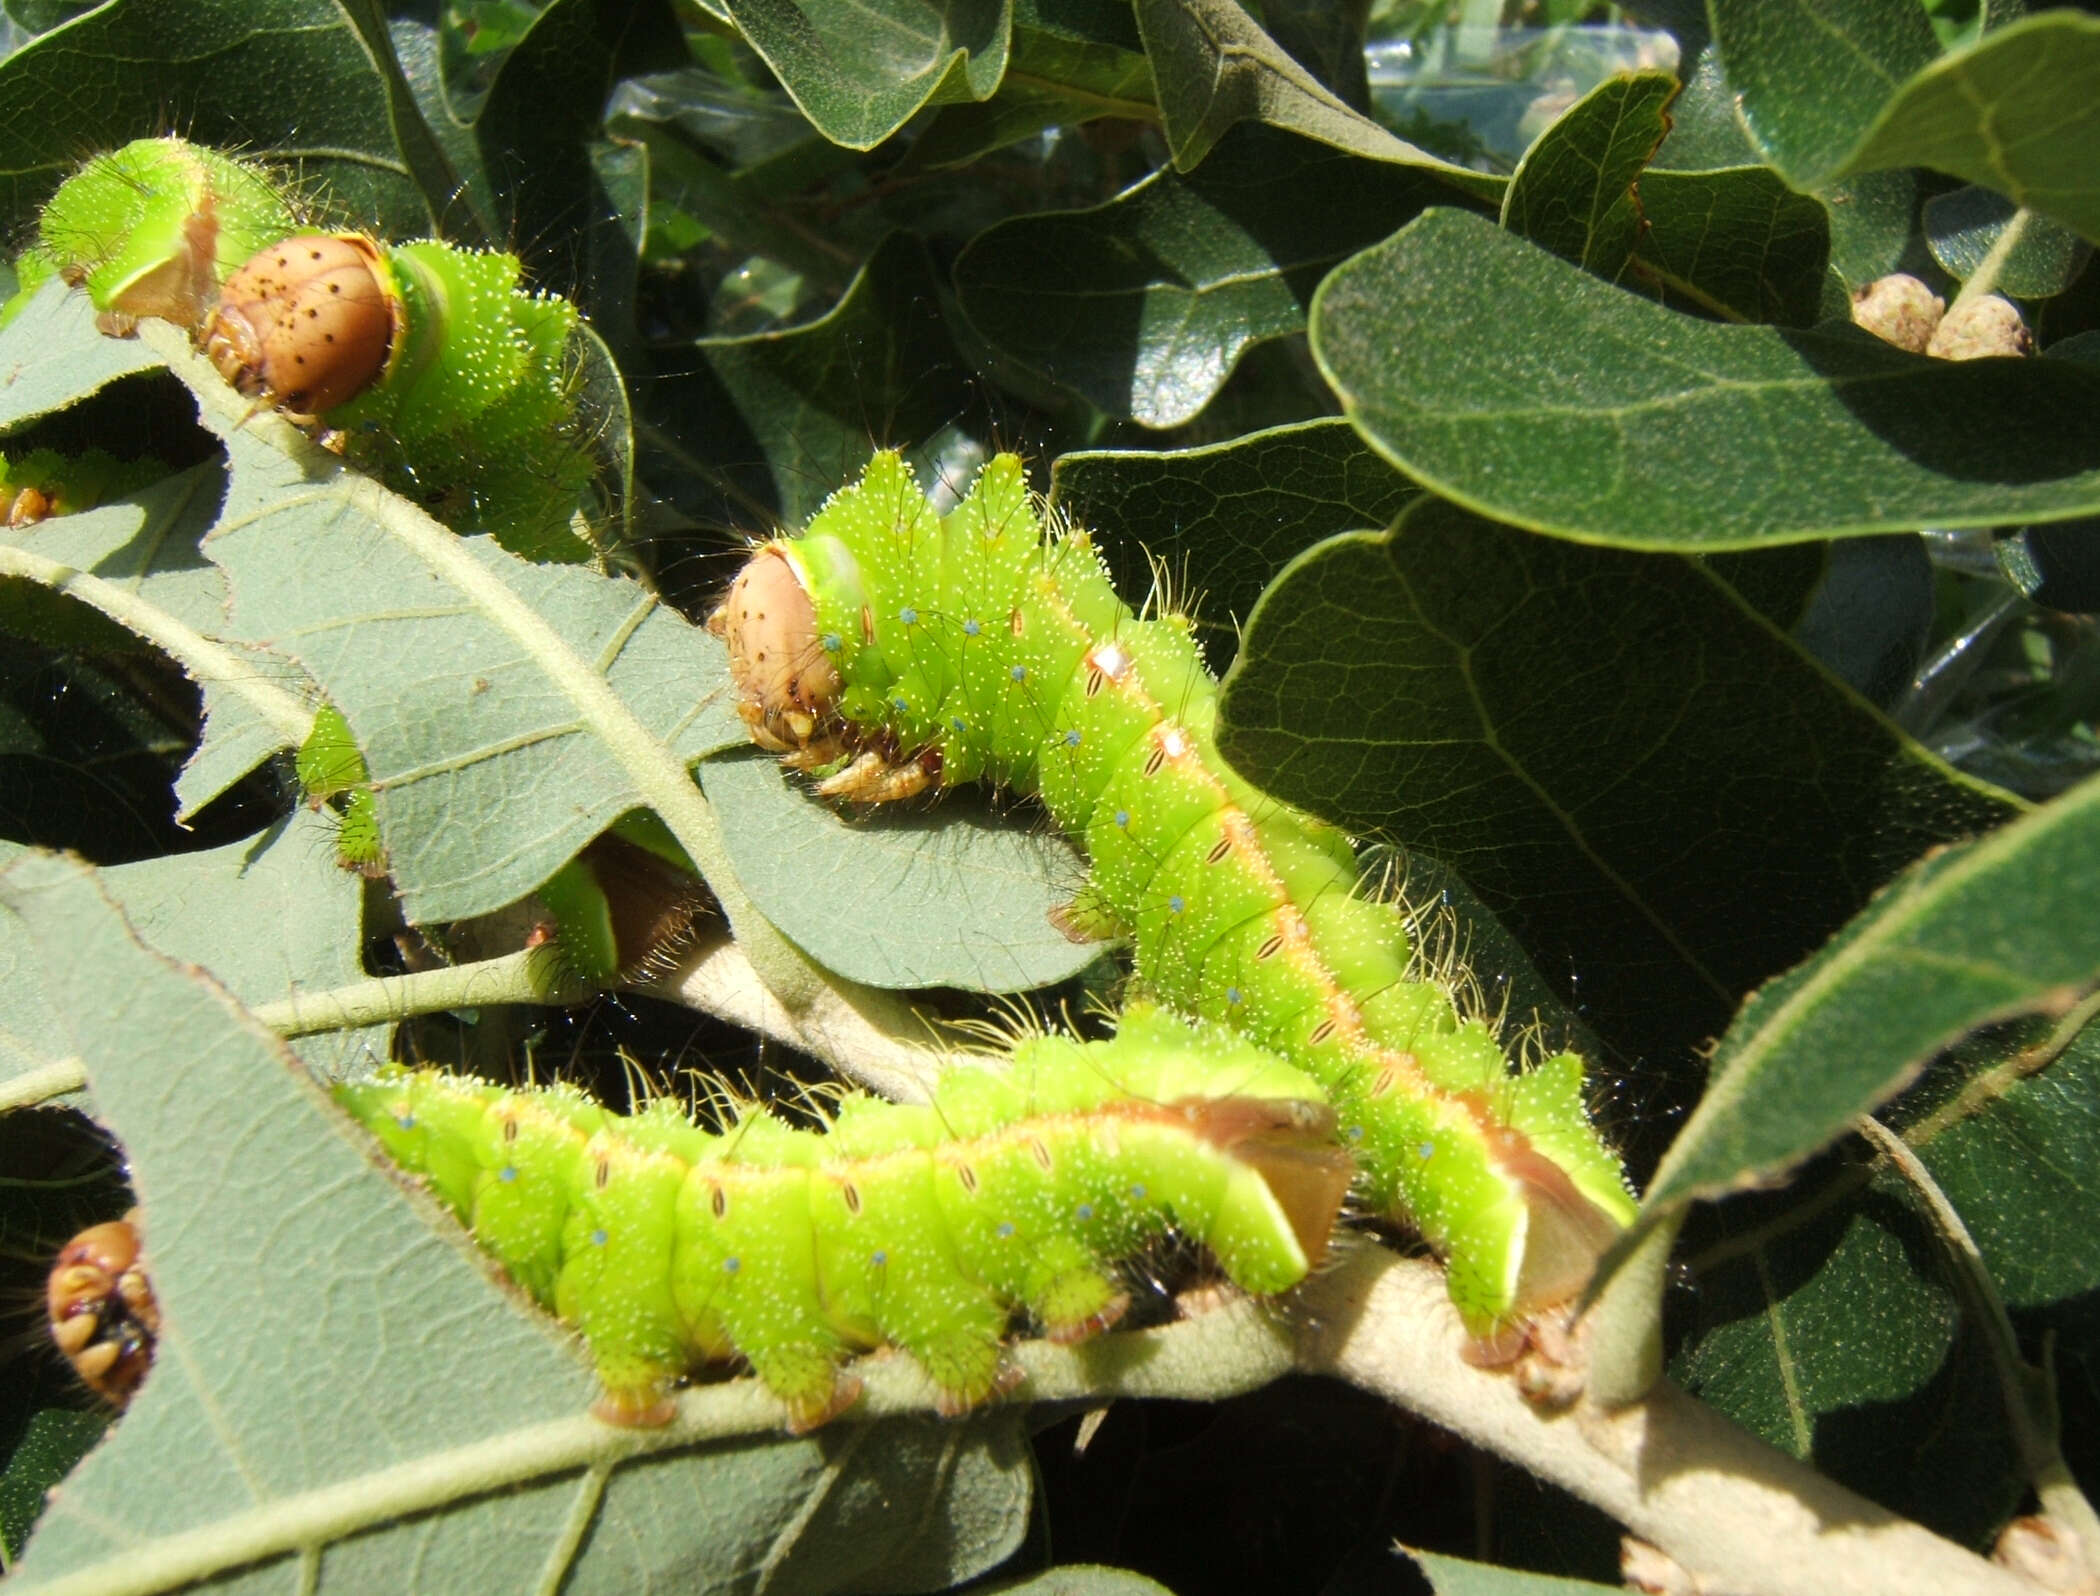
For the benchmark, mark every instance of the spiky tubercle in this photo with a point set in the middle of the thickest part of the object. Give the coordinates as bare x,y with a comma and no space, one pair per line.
922,1227
910,647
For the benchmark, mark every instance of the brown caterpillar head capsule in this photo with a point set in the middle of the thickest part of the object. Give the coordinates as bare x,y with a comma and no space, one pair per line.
786,684
102,1310
307,324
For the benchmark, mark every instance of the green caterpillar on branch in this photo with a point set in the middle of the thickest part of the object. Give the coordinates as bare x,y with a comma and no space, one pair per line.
427,365
889,648
922,1227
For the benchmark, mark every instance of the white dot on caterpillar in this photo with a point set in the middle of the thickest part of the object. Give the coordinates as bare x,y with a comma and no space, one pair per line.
1173,742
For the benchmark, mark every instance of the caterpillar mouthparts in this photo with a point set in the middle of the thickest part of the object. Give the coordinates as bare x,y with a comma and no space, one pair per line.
101,1308
889,647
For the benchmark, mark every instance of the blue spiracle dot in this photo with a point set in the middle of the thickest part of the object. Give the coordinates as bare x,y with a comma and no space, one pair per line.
959,725
1137,1192
899,705
405,1121
732,1264
1019,673
1122,819
1232,994
833,642
1072,738
908,615
1006,1230
1084,1211
1426,1150
971,628
1355,1133
879,1257
599,1237
507,1174
1175,904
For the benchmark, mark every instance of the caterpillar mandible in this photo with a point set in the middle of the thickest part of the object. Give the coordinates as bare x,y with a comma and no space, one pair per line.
889,647
921,1227
430,366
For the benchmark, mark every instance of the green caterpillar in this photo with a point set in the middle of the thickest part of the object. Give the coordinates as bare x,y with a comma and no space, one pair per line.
427,365
921,1227
42,483
894,647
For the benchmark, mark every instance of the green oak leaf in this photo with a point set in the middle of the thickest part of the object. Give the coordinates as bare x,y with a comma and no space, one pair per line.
1834,89
1509,381
1550,720
1573,191
1144,305
861,70
1969,935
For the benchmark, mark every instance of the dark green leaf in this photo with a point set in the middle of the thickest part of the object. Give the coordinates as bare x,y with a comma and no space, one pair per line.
1224,520
1529,391
1073,61
1737,243
533,138
1969,935
1213,66
1825,1323
1607,746
1833,89
1144,305
2005,1123
1965,227
284,78
860,69
1573,191
822,397
1811,75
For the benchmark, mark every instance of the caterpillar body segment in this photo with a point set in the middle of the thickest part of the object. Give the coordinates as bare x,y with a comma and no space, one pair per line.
41,483
153,229
891,648
923,1227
